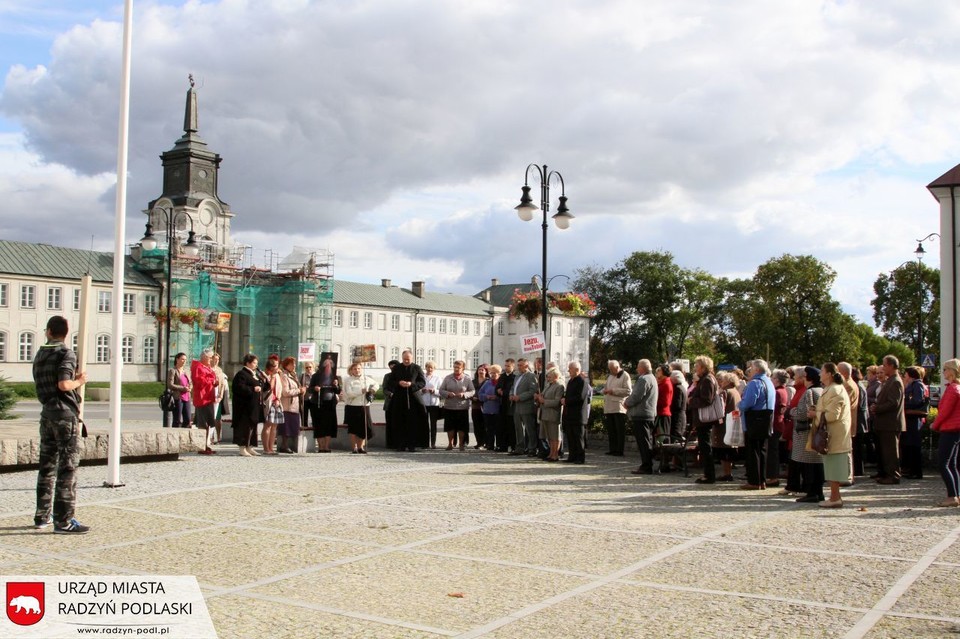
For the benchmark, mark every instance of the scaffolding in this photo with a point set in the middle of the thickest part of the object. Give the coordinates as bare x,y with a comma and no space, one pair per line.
272,311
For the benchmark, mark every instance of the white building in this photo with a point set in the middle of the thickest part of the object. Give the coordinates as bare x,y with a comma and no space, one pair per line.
38,281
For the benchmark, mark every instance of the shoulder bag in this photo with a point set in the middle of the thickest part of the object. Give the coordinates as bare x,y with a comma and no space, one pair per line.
820,441
714,412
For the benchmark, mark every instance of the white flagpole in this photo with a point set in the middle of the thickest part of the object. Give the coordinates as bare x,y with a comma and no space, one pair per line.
119,255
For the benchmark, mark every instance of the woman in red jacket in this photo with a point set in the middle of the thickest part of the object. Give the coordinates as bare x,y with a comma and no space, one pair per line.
948,425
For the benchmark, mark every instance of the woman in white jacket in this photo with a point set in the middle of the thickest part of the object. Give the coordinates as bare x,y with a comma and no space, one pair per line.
358,390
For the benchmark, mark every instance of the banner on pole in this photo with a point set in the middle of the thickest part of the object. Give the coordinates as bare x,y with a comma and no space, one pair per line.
533,342
307,352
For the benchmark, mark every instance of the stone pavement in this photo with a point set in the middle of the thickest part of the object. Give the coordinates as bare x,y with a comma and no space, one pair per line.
476,544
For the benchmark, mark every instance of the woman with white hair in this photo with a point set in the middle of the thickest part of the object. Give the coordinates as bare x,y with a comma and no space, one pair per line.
549,401
431,400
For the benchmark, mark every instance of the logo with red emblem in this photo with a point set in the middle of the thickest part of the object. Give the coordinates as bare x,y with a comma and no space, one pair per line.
25,602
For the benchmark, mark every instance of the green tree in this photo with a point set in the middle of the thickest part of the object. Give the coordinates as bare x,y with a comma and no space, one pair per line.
874,347
647,306
904,296
8,398
787,314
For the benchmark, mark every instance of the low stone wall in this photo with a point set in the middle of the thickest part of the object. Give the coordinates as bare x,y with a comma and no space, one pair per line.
21,454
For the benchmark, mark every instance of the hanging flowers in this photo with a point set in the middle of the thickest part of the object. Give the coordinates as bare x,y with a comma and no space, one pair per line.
162,314
191,316
528,305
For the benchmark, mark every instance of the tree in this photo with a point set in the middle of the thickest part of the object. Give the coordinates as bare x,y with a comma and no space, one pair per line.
909,292
874,347
787,314
649,307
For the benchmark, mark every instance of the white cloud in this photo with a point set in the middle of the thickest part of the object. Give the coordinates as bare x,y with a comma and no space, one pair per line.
396,133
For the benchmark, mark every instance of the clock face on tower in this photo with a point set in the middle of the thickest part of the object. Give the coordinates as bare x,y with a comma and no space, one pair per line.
206,216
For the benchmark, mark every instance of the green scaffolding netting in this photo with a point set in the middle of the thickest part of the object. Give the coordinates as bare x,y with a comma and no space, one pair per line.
269,314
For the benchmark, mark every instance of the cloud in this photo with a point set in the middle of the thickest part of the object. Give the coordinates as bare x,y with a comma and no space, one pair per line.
396,133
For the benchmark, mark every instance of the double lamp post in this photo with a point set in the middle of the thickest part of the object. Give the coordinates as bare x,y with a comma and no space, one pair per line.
526,210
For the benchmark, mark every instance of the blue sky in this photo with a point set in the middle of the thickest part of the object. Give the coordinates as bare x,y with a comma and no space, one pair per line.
396,134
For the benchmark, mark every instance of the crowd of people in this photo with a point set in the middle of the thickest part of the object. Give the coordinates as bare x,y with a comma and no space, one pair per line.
810,429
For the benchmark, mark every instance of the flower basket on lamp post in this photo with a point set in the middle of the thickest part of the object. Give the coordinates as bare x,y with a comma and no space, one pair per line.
191,316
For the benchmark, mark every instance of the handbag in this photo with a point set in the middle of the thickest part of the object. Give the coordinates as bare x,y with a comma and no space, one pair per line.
275,414
714,412
759,423
733,436
168,402
820,440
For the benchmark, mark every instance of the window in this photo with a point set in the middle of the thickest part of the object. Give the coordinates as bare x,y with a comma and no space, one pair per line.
466,327
149,350
3,347
103,301
420,324
149,303
557,329
26,347
582,329
394,322
501,329
443,324
103,349
453,327
368,320
126,349
419,357
273,318
338,318
433,324
54,298
395,353
486,329
572,329
3,295
28,296
475,360
382,321
556,360
407,323
453,357
76,299
76,337
432,355
476,328
354,319
130,305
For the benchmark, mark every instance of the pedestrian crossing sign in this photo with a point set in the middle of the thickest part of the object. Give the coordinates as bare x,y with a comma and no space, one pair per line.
929,361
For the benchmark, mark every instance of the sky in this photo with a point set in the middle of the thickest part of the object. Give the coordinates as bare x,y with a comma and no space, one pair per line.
396,133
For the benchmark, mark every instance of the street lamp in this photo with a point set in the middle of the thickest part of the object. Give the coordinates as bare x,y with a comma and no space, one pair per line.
920,252
191,248
561,218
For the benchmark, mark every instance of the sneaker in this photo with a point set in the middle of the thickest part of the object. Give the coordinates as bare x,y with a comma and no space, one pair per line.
205,451
73,527
40,525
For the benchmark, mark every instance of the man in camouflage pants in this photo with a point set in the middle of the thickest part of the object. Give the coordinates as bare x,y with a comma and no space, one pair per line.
55,374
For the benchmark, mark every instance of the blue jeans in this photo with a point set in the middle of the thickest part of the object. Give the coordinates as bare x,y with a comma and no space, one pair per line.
947,456
181,414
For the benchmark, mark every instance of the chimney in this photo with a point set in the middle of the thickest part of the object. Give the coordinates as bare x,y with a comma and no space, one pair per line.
385,283
418,289
494,281
485,295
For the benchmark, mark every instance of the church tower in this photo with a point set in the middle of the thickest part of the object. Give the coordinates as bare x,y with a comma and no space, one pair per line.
190,175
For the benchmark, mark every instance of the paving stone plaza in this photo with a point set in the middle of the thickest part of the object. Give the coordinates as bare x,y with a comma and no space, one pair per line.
475,544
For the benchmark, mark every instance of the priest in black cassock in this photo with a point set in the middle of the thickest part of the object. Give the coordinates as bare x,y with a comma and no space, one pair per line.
408,417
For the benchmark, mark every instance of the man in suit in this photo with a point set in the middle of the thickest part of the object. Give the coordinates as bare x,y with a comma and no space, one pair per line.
889,421
407,413
525,386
